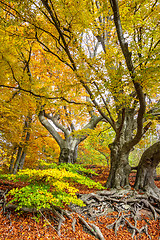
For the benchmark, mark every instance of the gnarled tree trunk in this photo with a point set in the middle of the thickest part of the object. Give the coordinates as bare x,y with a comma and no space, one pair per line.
68,150
146,170
120,168
119,152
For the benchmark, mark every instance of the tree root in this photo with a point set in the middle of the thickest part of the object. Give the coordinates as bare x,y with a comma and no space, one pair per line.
121,220
126,203
73,224
95,230
3,199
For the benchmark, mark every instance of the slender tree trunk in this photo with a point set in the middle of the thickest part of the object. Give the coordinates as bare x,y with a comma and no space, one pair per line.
23,156
12,160
17,160
22,160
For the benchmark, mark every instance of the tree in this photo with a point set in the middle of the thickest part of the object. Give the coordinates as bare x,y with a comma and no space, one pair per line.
69,143
31,69
19,135
146,169
117,65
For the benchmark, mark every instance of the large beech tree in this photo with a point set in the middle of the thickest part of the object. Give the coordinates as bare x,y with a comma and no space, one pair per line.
69,143
112,48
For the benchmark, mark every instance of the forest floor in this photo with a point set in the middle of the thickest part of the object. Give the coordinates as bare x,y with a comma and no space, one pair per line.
22,225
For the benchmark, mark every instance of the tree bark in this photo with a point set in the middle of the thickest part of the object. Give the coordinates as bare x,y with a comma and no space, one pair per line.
120,168
119,153
22,149
125,138
146,170
66,156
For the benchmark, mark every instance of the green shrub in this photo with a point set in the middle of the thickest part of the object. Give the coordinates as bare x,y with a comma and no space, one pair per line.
48,187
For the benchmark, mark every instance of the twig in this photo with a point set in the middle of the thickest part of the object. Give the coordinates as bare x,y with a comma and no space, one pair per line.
47,220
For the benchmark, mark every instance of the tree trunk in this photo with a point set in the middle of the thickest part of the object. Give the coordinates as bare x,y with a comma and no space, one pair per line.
17,160
120,168
12,160
68,152
66,156
119,152
21,154
146,170
69,144
22,160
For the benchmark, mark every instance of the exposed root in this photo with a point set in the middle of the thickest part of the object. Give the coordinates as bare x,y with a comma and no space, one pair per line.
73,224
3,199
126,203
121,220
95,230
148,205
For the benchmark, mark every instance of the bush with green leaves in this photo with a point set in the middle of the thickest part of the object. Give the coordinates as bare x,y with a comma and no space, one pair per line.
33,196
79,168
50,187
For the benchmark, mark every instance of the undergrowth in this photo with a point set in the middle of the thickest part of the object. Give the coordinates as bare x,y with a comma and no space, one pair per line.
52,186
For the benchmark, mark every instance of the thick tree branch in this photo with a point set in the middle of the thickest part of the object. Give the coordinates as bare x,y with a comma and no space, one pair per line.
57,124
50,128
68,118
91,125
129,63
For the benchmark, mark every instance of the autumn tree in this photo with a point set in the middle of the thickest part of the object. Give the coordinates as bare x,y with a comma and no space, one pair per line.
69,143
112,48
19,135
59,119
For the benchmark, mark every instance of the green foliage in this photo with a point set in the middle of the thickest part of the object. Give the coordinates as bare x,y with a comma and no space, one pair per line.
48,187
33,196
75,168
